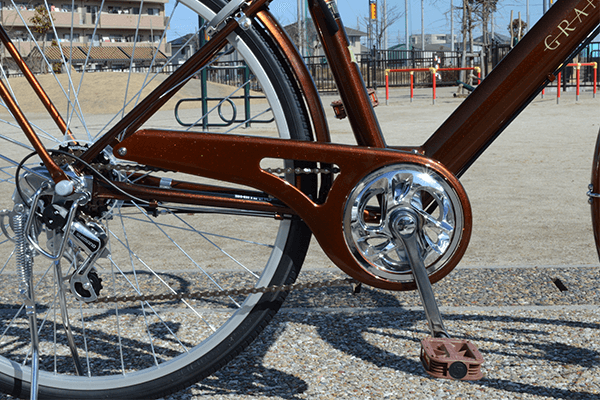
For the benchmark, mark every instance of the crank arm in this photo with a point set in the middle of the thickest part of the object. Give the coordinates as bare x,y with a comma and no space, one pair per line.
406,226
441,356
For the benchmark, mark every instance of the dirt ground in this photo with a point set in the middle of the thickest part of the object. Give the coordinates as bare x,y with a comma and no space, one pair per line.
102,93
528,190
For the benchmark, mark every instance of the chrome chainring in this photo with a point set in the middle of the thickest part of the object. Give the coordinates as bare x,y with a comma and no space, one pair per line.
372,220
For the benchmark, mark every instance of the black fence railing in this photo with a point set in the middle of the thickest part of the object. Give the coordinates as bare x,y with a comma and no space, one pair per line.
373,66
591,54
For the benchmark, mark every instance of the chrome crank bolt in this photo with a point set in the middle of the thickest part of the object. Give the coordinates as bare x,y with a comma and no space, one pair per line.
403,224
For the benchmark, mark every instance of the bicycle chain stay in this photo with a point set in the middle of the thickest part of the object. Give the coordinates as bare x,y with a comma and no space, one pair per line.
137,167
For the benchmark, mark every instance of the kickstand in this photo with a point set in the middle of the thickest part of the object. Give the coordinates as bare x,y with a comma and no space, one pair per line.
441,356
31,313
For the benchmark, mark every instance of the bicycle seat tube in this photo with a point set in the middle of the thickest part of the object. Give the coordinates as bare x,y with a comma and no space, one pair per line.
346,73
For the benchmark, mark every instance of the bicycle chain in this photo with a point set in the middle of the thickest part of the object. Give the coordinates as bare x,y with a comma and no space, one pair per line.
289,170
230,292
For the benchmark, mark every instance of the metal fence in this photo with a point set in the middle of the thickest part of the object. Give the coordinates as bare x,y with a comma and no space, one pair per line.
373,66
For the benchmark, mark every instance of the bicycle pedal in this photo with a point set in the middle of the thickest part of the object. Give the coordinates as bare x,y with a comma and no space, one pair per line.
451,358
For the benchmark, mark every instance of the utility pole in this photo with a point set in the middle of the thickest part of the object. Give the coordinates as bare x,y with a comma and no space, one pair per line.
385,33
422,26
300,28
451,25
407,38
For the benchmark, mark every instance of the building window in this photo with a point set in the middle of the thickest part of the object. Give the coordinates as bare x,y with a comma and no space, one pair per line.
94,11
93,39
67,37
68,8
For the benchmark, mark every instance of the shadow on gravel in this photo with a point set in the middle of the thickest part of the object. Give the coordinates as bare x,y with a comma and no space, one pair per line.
345,331
247,376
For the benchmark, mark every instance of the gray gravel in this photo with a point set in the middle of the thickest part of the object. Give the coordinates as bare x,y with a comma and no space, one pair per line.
537,341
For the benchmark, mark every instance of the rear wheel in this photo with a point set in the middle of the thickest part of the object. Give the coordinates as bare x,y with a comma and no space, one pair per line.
145,349
594,194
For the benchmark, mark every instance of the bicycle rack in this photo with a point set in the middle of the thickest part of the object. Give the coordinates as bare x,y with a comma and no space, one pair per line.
203,121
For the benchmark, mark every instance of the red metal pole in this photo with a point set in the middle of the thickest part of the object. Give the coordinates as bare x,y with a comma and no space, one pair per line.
578,66
412,79
434,79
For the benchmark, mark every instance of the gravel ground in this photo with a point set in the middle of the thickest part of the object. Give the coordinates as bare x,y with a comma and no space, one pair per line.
538,342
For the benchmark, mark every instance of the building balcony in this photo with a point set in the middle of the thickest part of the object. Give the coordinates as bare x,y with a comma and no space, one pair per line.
11,18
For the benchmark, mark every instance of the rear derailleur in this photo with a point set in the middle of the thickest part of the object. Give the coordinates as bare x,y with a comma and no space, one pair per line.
70,234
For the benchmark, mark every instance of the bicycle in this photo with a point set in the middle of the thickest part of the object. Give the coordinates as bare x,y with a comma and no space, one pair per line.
172,223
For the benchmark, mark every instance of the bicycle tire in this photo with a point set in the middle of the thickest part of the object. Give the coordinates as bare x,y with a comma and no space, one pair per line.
594,189
172,353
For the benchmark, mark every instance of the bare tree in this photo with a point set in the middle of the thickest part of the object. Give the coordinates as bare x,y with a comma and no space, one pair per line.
377,30
41,22
517,29
306,39
475,12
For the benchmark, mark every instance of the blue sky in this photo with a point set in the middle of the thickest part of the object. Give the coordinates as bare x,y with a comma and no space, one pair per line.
437,19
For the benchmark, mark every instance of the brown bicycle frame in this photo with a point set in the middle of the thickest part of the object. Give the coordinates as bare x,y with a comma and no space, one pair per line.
449,151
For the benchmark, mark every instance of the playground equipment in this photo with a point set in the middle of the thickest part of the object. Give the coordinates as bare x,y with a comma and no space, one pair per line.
433,71
577,67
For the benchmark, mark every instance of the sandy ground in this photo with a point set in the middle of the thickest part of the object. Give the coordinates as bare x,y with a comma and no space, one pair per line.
102,93
528,190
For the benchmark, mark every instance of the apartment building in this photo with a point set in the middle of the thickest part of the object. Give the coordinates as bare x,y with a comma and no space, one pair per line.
115,25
